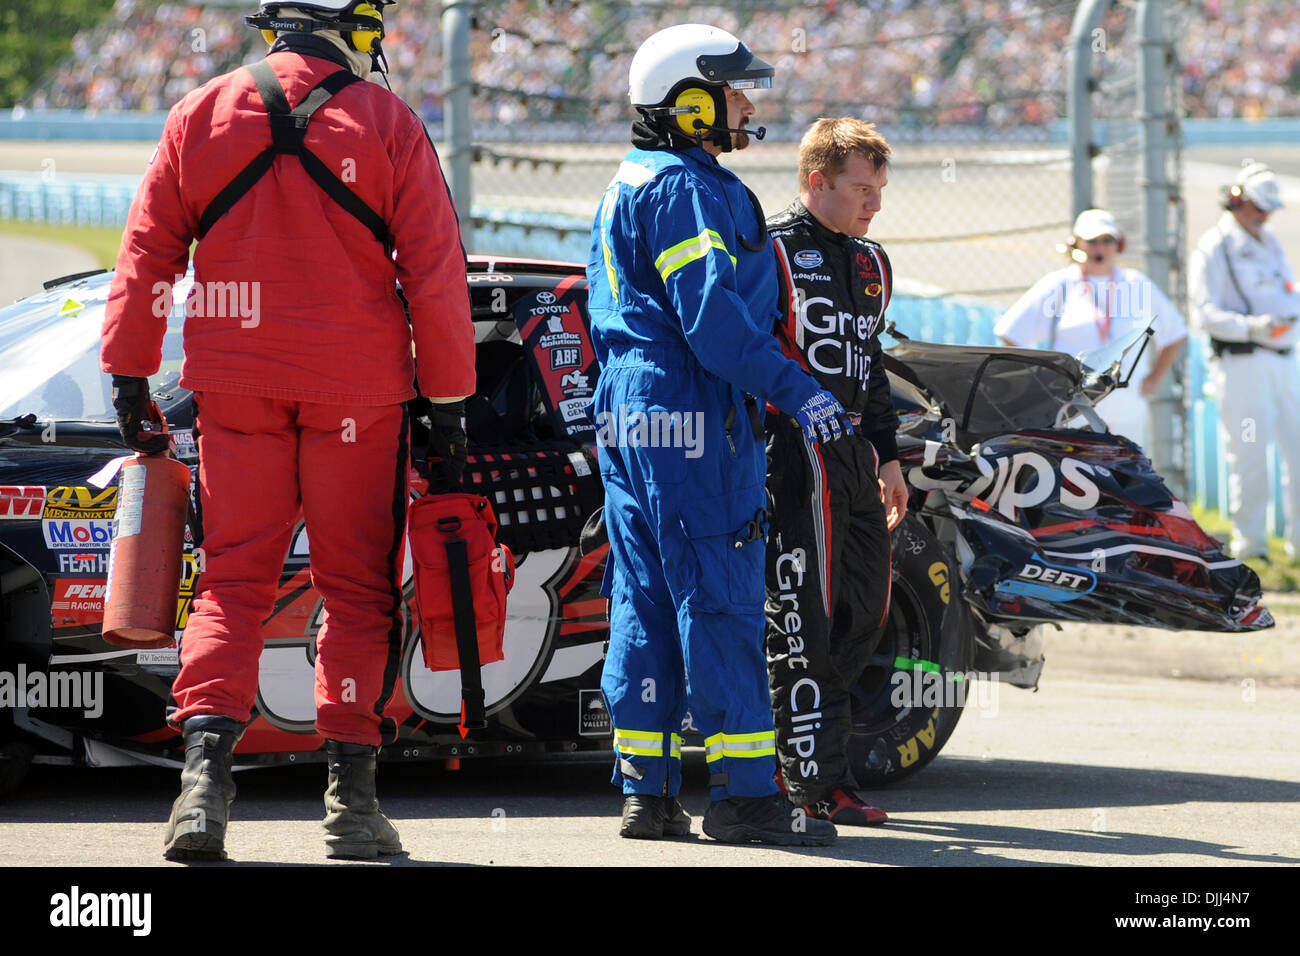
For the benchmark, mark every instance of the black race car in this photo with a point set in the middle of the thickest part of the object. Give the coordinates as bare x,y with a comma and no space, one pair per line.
67,696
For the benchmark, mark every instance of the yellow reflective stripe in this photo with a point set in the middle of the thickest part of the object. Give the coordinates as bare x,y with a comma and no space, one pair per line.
686,252
609,266
761,744
607,214
640,734
636,741
768,751
675,747
749,738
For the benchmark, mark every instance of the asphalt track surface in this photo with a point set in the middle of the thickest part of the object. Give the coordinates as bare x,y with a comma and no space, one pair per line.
1140,748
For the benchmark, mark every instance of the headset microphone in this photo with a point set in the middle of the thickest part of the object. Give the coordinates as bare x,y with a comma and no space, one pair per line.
758,132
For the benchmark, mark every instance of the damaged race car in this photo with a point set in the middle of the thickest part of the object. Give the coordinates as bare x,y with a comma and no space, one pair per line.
68,696
1023,512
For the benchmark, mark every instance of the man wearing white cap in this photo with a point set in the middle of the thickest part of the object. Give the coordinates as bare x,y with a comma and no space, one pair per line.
1243,295
1091,303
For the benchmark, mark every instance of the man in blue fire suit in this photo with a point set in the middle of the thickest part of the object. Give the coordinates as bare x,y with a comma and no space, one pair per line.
683,297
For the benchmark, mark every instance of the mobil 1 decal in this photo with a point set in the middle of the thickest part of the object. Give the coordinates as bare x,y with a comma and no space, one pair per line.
554,334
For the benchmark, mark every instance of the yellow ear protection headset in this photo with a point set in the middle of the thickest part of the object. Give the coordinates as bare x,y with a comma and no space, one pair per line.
365,19
1233,198
691,109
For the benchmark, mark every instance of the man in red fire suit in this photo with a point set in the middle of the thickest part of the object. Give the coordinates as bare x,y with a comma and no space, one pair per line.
298,351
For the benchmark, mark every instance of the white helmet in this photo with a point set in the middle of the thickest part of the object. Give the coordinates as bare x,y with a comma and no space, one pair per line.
678,77
1257,184
693,51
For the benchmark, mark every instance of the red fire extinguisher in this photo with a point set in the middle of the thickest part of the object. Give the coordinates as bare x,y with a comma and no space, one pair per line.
144,560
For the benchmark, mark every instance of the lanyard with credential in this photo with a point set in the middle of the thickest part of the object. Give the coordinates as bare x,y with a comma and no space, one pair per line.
1102,321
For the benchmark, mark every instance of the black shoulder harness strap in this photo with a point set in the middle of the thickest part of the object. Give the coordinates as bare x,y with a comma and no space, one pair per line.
288,130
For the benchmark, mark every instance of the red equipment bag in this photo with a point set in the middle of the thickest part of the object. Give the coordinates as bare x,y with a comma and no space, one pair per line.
462,577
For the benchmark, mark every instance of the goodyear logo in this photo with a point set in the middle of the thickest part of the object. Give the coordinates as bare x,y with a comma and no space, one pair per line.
909,752
78,501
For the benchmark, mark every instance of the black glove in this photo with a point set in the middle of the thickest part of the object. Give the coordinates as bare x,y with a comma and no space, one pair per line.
138,418
448,444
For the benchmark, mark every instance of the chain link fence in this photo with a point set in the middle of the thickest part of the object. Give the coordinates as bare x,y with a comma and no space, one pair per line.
979,190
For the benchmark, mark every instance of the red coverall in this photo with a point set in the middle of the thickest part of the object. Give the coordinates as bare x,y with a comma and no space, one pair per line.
300,403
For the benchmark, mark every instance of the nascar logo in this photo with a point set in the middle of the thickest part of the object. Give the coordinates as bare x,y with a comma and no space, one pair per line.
808,258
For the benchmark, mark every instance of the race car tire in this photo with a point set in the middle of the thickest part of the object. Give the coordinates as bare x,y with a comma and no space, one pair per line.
908,699
15,757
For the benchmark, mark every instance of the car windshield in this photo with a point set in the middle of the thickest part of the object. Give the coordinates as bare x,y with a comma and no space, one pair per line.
1115,358
49,353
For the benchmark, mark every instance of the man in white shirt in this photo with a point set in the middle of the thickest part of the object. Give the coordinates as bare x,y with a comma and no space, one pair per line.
1243,295
1090,304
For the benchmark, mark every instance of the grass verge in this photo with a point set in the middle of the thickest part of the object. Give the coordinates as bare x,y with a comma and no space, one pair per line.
101,242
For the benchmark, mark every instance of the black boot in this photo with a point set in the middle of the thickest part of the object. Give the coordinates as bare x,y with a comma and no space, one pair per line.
647,817
769,819
356,829
196,829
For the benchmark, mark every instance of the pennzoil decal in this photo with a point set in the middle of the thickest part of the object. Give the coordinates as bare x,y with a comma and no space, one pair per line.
78,601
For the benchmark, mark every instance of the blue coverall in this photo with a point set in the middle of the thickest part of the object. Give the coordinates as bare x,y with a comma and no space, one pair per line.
681,319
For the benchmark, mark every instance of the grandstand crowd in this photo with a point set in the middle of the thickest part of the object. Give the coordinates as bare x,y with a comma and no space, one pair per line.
984,62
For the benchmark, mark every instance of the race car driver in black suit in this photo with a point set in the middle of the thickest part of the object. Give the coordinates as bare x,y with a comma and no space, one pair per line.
828,558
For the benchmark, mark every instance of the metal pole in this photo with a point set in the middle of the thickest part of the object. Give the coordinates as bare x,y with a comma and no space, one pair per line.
1079,103
1154,118
1157,259
456,18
